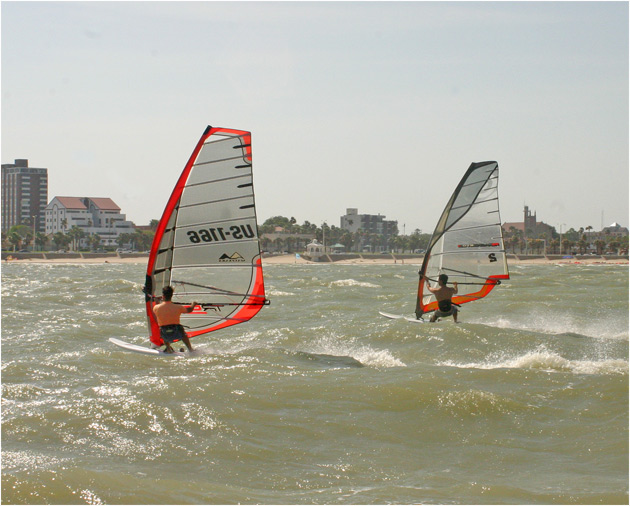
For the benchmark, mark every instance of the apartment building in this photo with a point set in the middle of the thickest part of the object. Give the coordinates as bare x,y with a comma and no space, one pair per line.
24,195
370,224
100,216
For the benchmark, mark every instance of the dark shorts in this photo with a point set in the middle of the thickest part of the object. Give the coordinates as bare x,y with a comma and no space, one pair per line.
443,314
172,333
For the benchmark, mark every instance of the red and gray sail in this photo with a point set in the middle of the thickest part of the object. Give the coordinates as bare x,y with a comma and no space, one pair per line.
206,244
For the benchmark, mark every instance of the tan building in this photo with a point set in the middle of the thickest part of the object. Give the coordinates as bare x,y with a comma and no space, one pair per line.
95,216
530,228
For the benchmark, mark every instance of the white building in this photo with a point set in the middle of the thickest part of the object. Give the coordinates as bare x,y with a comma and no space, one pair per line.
374,224
99,216
315,249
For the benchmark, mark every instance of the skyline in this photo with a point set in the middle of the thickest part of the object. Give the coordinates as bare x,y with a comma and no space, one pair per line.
350,105
262,221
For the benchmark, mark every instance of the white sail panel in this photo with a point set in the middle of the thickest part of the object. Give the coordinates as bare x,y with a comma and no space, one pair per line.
467,243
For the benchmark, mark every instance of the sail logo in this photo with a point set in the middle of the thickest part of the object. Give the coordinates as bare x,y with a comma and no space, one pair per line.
234,257
488,245
217,234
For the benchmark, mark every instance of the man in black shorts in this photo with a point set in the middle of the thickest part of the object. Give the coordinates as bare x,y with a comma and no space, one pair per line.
443,294
167,314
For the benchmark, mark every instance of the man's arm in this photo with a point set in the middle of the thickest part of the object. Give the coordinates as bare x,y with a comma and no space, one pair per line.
190,309
454,287
426,283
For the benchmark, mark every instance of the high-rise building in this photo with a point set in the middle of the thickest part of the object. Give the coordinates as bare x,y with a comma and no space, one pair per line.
369,223
24,195
373,224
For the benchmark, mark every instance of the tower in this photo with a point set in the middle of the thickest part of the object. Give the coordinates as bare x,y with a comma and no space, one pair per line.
24,195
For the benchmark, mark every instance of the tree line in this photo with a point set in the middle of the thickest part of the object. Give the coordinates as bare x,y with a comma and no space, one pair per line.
580,241
294,238
21,237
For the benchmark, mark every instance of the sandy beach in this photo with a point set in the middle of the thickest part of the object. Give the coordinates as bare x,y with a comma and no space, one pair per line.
292,259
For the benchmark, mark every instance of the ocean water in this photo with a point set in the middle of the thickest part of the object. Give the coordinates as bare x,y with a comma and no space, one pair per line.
318,400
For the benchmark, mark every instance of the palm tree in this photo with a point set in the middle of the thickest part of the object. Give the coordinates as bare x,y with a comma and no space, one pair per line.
14,239
582,244
414,241
279,244
599,244
264,242
61,240
76,234
41,240
20,235
346,240
613,246
95,241
143,239
566,245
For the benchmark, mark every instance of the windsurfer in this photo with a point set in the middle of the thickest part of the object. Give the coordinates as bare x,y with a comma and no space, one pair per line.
443,294
168,314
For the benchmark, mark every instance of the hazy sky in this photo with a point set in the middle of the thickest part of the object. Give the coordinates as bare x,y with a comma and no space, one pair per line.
381,106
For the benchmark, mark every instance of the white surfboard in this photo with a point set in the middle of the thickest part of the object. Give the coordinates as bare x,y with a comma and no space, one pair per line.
415,320
391,316
143,349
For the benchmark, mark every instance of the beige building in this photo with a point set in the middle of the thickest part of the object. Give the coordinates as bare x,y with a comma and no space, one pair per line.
95,216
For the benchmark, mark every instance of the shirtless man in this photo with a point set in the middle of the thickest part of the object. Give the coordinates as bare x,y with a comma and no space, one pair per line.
443,294
167,314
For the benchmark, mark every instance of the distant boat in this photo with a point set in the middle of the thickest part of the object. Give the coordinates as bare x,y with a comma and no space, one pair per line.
206,244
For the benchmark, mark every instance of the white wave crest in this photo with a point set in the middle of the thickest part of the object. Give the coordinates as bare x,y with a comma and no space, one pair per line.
549,361
368,356
278,293
353,282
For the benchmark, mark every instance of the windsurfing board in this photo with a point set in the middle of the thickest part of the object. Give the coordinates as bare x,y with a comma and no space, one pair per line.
415,320
143,349
391,316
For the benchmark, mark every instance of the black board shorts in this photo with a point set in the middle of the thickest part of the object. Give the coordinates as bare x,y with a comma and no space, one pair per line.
445,308
443,314
172,333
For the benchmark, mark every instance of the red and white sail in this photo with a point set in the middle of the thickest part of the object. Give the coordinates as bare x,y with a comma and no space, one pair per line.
206,245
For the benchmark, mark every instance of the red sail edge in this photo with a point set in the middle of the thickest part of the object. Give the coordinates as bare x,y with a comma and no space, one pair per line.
168,211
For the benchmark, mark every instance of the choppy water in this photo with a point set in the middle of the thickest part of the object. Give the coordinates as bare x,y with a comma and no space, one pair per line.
319,399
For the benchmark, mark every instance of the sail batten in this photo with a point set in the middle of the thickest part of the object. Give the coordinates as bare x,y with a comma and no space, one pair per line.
467,243
206,243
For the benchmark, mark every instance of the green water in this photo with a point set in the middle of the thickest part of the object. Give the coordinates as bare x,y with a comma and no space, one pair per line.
318,399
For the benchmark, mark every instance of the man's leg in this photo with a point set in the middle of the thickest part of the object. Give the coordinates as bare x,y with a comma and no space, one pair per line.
187,342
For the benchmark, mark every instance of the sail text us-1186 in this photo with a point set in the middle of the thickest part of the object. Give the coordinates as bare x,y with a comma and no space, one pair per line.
206,244
467,243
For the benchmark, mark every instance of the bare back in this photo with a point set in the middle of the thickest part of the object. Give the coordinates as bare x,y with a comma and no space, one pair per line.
168,313
443,292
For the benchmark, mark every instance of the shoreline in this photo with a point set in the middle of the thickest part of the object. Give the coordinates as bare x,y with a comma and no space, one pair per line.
292,259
